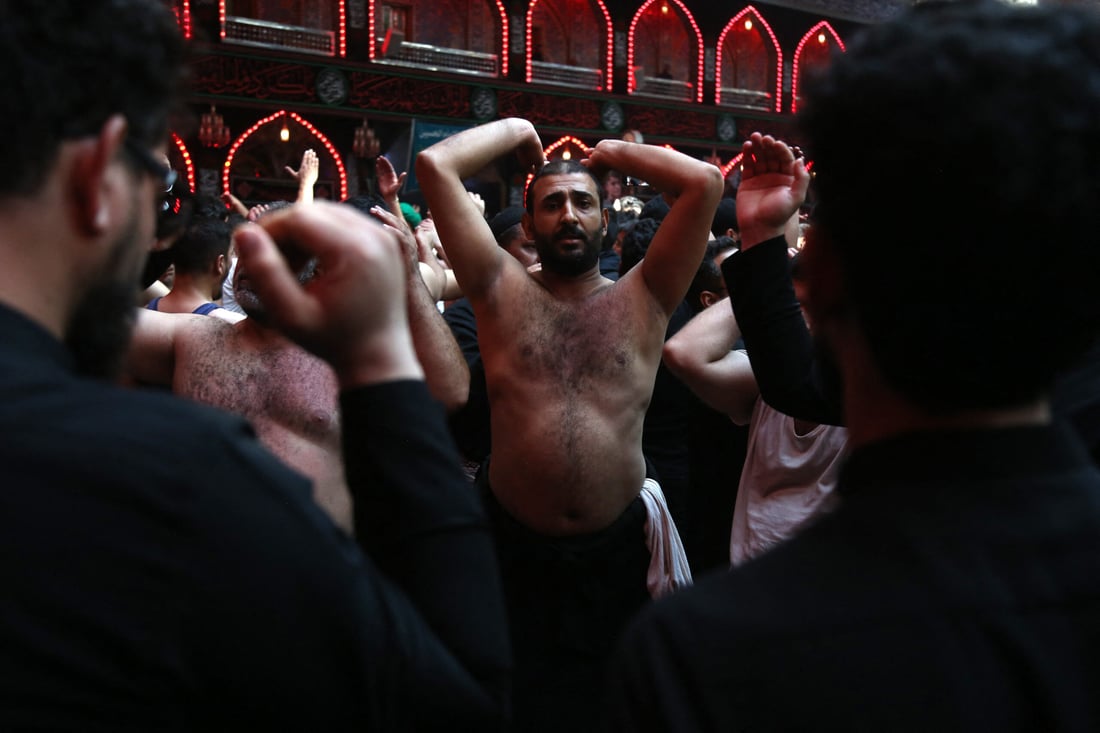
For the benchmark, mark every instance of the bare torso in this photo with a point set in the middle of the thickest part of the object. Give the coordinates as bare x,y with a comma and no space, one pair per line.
287,394
569,383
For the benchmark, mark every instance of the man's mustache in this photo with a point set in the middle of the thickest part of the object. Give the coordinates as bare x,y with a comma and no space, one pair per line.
570,233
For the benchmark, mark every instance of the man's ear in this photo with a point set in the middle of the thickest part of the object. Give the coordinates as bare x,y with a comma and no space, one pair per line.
220,267
708,298
89,180
606,219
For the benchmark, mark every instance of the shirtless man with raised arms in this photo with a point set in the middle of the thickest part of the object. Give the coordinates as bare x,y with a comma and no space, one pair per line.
570,358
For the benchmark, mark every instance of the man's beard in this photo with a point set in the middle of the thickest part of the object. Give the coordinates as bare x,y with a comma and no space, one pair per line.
99,330
250,302
574,263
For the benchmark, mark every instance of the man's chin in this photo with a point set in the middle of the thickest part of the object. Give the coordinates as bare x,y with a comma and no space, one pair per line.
99,331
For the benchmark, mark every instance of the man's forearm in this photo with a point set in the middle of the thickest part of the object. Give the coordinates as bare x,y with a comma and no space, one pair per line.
665,170
445,368
467,153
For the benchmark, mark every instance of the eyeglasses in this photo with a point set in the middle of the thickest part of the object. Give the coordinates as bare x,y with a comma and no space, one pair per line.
173,210
161,172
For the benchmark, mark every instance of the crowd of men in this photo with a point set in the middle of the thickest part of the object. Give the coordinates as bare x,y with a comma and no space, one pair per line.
221,523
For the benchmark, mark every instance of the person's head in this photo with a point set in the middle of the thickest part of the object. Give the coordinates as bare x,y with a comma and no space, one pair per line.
656,208
507,228
708,286
636,243
612,186
980,122
100,79
202,251
564,217
724,223
304,265
411,215
364,202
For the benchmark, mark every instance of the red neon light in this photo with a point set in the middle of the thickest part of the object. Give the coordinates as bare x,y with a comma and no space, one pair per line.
187,162
503,38
183,18
503,34
221,18
732,164
750,10
312,130
610,61
631,83
552,147
343,31
822,26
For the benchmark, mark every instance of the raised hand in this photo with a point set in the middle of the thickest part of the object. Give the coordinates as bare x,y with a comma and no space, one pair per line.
353,312
306,175
773,187
389,183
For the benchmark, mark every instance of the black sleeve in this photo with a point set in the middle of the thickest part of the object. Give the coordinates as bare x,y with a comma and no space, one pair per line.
293,626
793,377
421,522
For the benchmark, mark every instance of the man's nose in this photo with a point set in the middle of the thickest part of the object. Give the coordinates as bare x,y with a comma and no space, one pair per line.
569,213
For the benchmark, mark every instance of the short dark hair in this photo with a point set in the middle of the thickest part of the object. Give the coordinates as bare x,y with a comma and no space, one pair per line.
75,63
560,167
972,272
636,243
196,251
709,275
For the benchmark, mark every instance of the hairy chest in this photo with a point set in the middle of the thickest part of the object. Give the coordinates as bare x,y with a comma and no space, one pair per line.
582,346
270,385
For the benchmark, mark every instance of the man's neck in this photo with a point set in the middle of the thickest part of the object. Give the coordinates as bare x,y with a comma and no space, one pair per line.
188,293
571,287
875,411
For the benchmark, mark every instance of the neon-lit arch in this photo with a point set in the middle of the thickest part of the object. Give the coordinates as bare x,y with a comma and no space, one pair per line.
312,130
820,28
341,30
189,165
698,45
608,49
550,149
503,34
750,11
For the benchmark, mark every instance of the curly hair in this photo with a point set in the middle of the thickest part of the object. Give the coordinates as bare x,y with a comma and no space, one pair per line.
957,168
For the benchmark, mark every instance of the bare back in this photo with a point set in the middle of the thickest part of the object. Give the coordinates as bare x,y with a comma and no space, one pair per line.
287,394
569,383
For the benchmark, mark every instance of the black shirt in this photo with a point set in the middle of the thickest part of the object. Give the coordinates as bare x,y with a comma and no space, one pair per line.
162,571
955,588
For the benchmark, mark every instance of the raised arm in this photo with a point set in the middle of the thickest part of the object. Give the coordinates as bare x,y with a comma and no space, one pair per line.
441,169
693,189
445,369
702,355
792,377
306,175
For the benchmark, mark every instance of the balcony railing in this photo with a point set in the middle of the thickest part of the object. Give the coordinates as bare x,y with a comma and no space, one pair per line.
669,88
747,98
423,56
250,32
544,72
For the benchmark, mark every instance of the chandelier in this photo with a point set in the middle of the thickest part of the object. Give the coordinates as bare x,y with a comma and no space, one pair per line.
213,132
366,143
